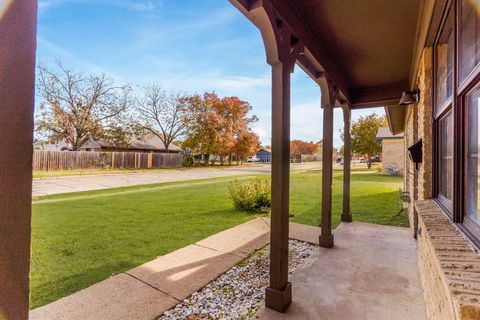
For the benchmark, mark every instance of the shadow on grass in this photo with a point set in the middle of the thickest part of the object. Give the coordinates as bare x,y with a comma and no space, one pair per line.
380,208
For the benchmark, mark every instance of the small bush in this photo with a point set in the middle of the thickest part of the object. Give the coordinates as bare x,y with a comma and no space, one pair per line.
253,196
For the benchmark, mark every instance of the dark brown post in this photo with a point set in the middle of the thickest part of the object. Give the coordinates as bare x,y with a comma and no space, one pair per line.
328,102
279,294
326,238
346,215
17,87
282,49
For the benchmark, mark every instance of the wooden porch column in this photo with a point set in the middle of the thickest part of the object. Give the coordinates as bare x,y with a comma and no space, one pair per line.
279,293
282,50
346,214
17,87
328,102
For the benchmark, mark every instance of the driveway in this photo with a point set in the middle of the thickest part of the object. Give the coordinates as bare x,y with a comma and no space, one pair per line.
47,186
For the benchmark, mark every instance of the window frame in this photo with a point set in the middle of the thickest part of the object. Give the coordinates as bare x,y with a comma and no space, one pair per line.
457,105
439,112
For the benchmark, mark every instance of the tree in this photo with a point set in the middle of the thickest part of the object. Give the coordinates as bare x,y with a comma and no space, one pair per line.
220,126
163,114
303,147
77,108
247,144
363,134
201,137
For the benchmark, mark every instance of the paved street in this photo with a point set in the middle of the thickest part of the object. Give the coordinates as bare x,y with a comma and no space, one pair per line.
46,186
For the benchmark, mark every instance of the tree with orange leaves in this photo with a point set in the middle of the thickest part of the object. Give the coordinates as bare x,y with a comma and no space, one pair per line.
302,147
220,126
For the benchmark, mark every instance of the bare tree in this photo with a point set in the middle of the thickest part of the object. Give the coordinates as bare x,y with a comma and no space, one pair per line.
76,107
162,114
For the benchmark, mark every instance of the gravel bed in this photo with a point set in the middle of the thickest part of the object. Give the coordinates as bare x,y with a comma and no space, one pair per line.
239,292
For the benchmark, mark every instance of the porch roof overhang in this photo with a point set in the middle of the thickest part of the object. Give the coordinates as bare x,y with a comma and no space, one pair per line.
368,49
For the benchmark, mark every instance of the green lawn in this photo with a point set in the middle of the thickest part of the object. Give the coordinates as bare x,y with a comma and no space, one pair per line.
79,239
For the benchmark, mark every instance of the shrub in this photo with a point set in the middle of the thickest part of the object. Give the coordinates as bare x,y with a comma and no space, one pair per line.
253,196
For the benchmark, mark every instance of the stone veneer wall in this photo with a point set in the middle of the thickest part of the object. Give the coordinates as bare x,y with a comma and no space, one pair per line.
419,126
449,266
393,154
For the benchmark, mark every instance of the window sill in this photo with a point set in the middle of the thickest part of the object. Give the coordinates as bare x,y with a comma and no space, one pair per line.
449,265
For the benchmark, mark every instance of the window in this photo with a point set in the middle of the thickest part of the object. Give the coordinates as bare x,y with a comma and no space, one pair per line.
444,71
472,163
458,102
444,64
445,163
469,37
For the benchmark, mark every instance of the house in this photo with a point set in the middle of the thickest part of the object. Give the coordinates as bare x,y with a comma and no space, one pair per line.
143,144
420,60
393,151
148,144
264,155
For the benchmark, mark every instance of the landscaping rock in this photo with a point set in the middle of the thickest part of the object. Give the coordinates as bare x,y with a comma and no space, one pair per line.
239,292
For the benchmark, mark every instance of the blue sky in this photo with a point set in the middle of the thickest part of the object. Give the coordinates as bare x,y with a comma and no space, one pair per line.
184,45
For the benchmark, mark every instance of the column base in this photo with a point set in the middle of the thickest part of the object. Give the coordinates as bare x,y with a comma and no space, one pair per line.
278,300
346,217
325,241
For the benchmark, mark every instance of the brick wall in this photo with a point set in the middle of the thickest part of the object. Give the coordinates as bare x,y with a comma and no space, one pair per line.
449,266
393,153
419,126
424,124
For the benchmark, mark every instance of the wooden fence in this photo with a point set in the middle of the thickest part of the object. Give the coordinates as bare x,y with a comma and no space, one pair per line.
73,160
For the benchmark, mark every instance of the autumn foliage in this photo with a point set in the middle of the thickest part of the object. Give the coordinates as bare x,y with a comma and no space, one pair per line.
220,126
303,147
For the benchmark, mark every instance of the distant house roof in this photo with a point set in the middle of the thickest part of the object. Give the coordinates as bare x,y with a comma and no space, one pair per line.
264,149
59,146
385,133
146,142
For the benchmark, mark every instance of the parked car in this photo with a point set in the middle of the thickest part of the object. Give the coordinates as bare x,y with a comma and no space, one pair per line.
363,160
375,159
253,159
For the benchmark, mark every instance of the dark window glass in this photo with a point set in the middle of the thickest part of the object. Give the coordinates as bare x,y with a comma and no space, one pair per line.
444,63
472,161
445,165
469,36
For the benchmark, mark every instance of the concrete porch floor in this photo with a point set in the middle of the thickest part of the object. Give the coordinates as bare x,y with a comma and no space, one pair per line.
371,273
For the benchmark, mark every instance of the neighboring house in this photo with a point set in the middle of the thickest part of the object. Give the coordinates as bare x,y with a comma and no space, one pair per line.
147,144
59,146
393,152
264,155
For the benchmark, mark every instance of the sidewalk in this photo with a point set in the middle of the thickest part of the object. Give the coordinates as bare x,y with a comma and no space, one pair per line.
47,186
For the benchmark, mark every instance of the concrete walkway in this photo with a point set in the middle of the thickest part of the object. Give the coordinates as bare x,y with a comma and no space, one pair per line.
147,291
47,186
370,274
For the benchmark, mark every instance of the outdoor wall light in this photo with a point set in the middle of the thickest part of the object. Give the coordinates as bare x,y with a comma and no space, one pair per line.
409,97
415,152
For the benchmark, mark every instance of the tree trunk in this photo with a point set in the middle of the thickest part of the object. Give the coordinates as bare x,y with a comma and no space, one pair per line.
369,163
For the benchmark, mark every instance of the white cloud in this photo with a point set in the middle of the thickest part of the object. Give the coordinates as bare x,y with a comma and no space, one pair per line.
238,83
139,5
306,121
135,5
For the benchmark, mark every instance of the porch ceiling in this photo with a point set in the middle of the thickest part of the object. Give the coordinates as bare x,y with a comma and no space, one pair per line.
369,41
365,47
